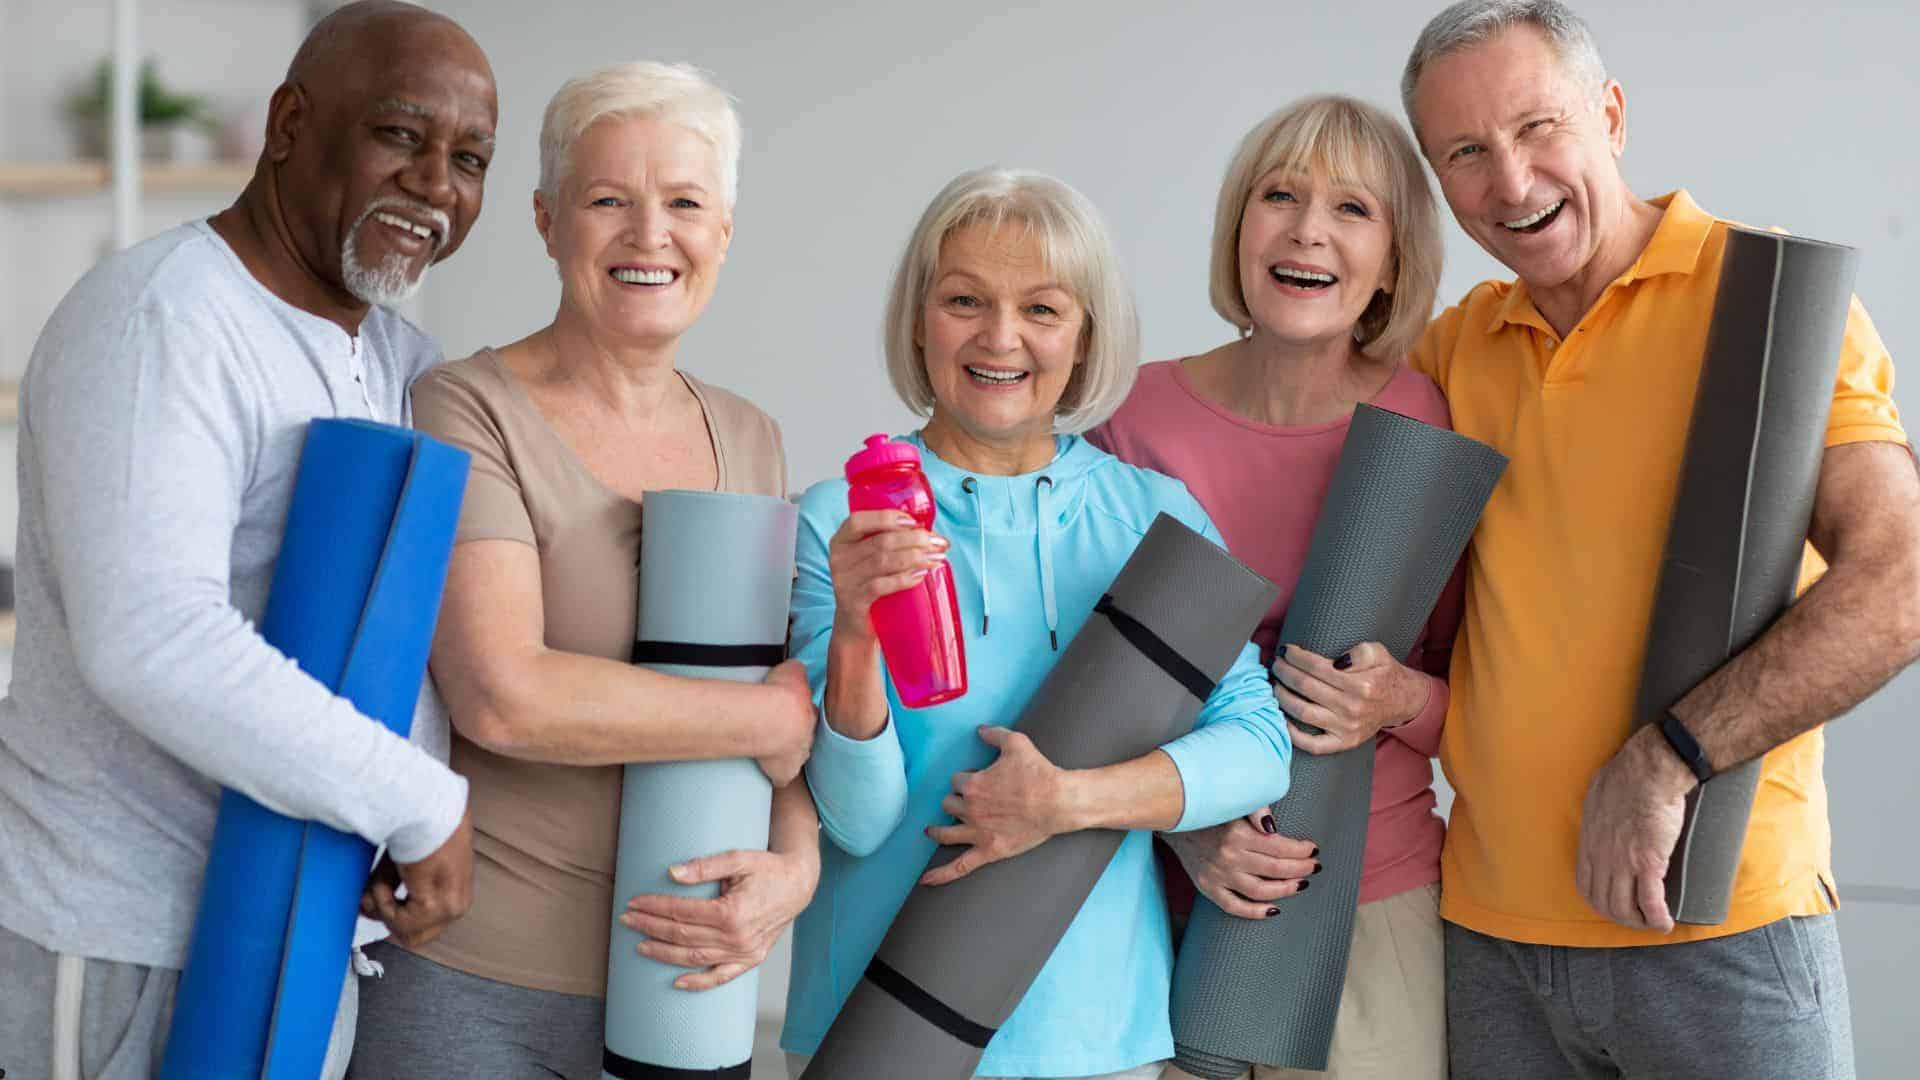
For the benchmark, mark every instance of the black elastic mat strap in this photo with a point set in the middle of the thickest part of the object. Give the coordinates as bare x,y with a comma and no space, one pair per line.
628,1069
926,1006
1162,654
693,654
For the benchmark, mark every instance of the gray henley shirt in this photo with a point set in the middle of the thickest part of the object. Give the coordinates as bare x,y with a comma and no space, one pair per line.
161,421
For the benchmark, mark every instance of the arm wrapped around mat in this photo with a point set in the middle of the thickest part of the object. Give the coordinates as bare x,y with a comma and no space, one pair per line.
959,957
1741,511
1404,500
716,577
356,592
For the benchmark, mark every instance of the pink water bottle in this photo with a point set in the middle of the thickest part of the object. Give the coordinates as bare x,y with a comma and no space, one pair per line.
919,626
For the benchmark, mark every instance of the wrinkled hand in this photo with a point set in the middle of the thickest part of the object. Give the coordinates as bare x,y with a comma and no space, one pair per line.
790,726
1351,701
1628,830
1009,808
439,889
729,934
876,553
1243,868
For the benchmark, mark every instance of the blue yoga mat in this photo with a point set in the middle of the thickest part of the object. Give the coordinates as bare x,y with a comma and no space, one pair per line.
355,595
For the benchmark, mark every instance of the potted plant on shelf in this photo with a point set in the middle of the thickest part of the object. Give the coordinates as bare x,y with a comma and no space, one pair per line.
173,126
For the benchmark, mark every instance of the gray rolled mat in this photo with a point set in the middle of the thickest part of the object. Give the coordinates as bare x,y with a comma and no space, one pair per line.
1740,513
959,957
1404,500
716,576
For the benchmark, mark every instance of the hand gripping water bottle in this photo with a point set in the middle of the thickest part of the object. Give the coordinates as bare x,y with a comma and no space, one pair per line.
919,626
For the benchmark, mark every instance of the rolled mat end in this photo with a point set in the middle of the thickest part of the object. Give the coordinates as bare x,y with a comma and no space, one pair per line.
1208,1066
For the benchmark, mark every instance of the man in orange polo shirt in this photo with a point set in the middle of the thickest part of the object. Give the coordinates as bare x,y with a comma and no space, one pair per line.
1562,957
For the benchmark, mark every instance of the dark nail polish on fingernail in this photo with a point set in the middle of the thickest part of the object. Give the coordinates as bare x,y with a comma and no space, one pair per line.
1303,885
1283,652
1314,854
1272,911
1267,824
1345,662
1317,867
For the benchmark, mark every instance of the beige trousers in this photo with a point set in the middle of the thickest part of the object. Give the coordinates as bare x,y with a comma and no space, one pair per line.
1392,1023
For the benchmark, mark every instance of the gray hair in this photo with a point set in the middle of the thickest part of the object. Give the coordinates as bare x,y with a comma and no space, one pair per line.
1475,22
678,93
1073,244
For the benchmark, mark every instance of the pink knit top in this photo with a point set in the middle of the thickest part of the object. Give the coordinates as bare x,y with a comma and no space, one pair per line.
1263,486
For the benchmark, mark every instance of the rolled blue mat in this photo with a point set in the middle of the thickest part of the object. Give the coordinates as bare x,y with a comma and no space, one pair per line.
716,581
355,595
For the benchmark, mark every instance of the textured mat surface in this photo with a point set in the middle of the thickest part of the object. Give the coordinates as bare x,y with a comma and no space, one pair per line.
959,957
355,595
1741,511
1404,500
716,577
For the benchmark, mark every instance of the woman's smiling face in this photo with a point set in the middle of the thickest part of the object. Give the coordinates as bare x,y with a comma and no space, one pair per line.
1000,335
639,227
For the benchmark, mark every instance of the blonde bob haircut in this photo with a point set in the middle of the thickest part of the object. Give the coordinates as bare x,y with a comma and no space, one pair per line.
678,93
1074,248
1344,141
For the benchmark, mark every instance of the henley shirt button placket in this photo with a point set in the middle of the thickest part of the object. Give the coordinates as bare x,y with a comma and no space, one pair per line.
359,376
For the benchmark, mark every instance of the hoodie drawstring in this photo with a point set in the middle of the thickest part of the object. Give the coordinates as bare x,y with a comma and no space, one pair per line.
972,487
1044,516
1041,489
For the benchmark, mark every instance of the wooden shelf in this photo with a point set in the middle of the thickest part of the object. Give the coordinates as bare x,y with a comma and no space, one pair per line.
9,401
42,178
7,627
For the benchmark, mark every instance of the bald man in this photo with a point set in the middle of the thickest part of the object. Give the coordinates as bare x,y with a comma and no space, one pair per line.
161,422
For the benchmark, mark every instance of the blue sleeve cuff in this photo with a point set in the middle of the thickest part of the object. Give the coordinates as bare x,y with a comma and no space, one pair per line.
1236,759
859,785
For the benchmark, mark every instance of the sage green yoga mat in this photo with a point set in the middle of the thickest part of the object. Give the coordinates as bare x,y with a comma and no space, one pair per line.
959,957
716,577
1404,500
1741,511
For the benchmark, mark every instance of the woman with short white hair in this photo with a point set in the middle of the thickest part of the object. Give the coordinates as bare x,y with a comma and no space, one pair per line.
1011,330
568,427
1326,256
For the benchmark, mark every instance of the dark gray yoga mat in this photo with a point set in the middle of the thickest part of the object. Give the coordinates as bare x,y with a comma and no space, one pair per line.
1404,500
959,957
716,578
1741,511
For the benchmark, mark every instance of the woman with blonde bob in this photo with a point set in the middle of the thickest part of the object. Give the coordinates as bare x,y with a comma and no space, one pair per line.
1009,329
568,427
1326,256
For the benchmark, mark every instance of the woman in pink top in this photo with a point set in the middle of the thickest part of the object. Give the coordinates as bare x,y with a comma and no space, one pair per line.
1326,257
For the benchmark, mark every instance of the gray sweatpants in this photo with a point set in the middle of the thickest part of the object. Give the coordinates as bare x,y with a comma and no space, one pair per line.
427,1021
122,1019
1768,1003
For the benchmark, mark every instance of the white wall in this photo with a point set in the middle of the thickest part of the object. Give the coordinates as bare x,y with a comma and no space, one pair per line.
232,52
856,112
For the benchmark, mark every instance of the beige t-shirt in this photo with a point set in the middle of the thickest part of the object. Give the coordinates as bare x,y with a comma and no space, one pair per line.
544,835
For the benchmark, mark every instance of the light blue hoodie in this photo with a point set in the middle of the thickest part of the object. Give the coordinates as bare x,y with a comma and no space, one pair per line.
1035,552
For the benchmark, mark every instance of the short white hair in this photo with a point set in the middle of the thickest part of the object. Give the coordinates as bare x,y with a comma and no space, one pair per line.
1074,246
1475,22
678,93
